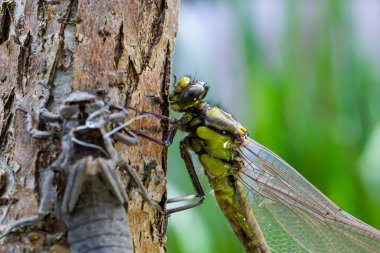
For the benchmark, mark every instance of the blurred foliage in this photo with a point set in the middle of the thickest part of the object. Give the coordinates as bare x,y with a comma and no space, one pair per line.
317,108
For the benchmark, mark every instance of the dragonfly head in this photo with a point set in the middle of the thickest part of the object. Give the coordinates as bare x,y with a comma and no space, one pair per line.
79,105
187,94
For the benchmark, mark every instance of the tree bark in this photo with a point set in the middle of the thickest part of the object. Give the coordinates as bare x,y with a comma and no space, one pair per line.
121,49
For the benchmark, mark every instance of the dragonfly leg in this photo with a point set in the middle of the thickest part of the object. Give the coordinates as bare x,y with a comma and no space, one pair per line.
76,177
144,193
167,142
155,115
129,140
182,198
118,116
171,133
112,180
44,206
35,133
184,147
49,116
44,114
63,159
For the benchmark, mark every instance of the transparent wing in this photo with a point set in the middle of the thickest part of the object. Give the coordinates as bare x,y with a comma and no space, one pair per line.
293,215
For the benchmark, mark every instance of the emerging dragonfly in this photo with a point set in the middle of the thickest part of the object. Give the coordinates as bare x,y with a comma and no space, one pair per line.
269,205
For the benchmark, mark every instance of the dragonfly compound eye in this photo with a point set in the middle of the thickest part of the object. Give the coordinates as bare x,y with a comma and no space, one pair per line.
192,96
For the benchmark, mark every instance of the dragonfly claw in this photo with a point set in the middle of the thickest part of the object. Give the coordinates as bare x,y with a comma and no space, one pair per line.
242,132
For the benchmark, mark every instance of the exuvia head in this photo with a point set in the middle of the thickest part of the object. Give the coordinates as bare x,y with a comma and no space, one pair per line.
79,105
187,94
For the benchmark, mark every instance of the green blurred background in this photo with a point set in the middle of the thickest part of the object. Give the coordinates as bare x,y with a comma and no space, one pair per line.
303,77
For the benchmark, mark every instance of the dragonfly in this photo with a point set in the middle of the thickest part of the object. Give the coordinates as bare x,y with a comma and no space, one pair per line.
268,204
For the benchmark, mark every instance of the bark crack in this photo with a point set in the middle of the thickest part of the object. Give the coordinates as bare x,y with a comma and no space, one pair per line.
63,67
3,182
164,107
6,13
132,78
119,45
6,122
157,30
164,94
65,48
158,24
23,63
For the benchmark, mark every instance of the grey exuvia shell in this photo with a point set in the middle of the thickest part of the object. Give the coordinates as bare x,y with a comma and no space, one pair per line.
79,96
93,204
98,223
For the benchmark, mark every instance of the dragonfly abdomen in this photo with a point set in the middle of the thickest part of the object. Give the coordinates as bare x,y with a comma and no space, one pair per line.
234,203
98,223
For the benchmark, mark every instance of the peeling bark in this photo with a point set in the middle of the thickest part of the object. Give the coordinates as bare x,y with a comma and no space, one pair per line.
117,49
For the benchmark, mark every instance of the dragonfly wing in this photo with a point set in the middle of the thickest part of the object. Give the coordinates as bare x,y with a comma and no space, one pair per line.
293,215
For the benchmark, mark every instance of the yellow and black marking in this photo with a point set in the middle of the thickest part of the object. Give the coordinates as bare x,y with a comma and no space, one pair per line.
214,136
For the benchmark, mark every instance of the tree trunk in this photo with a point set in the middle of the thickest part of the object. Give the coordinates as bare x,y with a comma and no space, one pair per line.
121,49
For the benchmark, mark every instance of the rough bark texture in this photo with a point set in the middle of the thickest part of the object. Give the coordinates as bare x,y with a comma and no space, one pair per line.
117,49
